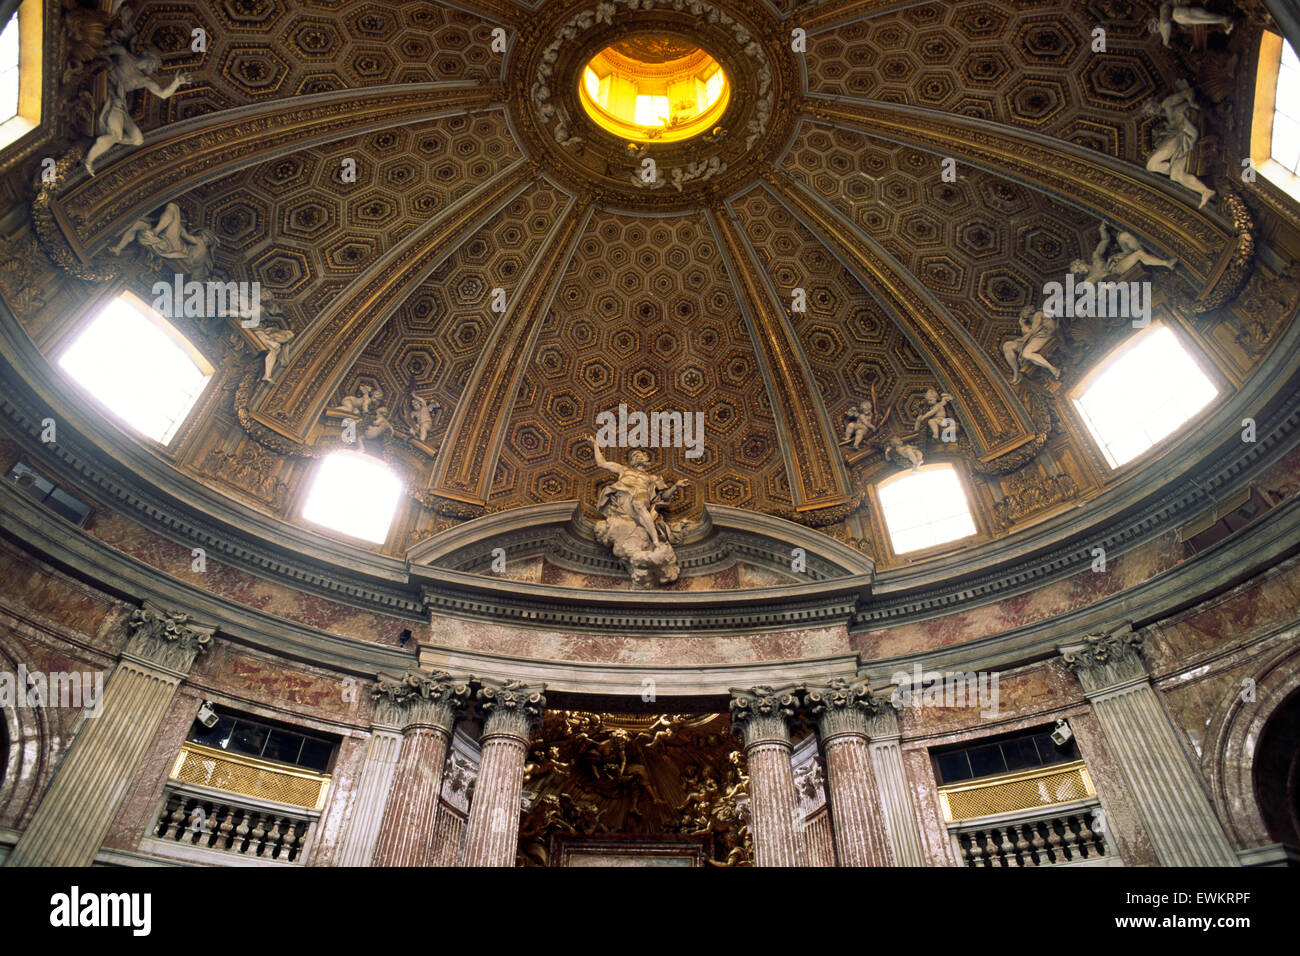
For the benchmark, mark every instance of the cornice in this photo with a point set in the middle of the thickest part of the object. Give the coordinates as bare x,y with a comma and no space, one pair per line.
94,454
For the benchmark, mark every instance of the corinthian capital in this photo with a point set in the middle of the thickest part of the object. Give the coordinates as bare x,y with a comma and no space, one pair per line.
761,714
420,697
841,706
511,708
167,640
1103,661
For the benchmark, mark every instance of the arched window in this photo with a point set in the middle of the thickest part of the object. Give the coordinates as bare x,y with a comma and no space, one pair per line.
1275,126
137,366
925,508
354,494
20,72
1142,393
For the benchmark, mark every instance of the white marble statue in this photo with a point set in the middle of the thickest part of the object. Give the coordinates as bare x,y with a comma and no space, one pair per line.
861,421
1186,15
358,405
273,340
379,426
1037,329
936,415
422,412
901,453
1177,140
127,73
169,239
1115,255
631,525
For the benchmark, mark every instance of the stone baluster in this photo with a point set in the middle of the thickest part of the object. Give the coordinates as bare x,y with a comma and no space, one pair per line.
841,709
1160,779
511,712
74,815
426,706
897,809
761,718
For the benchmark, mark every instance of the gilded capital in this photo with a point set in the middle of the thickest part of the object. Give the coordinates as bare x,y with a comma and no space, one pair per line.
511,708
1103,661
420,697
762,714
168,640
841,706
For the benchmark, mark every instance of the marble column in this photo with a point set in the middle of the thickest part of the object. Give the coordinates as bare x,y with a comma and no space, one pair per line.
841,709
1160,779
760,716
75,812
426,706
511,712
893,793
371,797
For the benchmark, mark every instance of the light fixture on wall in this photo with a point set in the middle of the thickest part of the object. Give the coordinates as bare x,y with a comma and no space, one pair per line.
207,715
1062,735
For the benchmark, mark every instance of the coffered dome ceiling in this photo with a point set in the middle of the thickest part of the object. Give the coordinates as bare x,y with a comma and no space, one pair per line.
478,171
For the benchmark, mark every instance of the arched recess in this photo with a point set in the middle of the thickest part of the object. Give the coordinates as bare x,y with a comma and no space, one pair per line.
1233,739
25,739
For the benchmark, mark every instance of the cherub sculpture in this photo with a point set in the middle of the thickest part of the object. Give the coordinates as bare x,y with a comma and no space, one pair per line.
127,73
358,405
422,413
900,452
860,420
936,416
1185,15
1179,137
1037,329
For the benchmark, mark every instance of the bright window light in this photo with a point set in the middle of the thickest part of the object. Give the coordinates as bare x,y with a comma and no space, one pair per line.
1286,115
652,110
925,507
354,494
131,360
593,84
9,70
1142,395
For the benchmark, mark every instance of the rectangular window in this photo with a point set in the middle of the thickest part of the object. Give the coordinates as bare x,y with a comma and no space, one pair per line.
253,738
992,758
1142,395
135,364
355,494
924,508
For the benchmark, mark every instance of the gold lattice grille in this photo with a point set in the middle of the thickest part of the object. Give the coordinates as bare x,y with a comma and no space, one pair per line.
208,767
1043,787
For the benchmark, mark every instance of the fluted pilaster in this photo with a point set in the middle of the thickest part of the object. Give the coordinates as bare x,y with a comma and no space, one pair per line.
426,707
1163,785
512,711
761,718
74,815
894,795
841,709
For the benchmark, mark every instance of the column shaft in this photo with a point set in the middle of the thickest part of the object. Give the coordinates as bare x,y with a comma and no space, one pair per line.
492,831
371,798
773,805
896,801
75,812
849,789
406,835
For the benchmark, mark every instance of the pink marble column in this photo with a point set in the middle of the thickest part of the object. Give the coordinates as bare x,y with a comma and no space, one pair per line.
426,706
841,709
760,717
512,711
